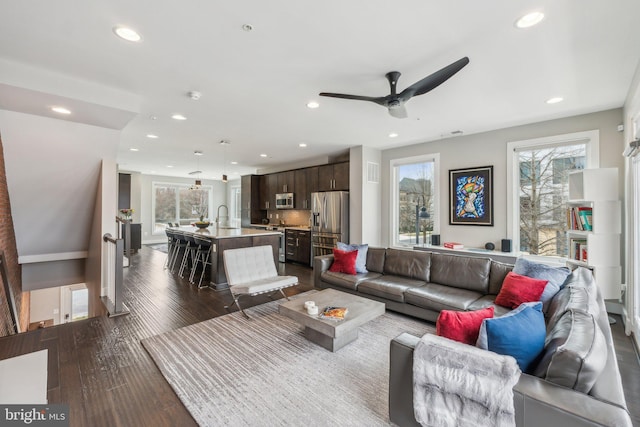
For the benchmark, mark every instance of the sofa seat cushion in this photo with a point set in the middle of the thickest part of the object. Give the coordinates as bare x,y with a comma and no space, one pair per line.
575,352
489,301
388,286
438,297
349,281
461,272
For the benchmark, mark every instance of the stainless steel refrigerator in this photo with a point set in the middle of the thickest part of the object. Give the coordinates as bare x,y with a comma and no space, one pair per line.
329,220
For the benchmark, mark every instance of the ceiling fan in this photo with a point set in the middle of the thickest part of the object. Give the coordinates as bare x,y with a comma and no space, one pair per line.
395,101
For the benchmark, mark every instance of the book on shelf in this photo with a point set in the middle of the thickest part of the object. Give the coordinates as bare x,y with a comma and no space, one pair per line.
453,245
580,218
578,250
333,313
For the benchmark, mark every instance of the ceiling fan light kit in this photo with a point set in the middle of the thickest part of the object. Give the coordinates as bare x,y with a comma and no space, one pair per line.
394,102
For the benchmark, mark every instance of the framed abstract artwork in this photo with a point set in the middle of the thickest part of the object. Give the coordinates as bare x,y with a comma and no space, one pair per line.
471,196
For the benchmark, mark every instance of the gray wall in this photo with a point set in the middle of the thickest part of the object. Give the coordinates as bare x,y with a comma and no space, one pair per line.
490,148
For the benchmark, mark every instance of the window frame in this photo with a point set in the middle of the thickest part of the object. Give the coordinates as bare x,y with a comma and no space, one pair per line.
591,139
178,186
394,213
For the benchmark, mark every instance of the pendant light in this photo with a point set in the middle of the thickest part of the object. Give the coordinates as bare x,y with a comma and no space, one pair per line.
224,159
197,172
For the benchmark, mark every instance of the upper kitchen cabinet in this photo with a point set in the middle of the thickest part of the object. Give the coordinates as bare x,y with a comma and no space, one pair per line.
302,199
268,190
250,200
286,182
333,177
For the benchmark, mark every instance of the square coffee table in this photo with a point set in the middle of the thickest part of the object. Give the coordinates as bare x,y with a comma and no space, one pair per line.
331,334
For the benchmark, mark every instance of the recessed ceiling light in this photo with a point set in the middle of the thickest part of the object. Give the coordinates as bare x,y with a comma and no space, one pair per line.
247,27
60,110
133,149
127,34
263,155
302,145
178,117
555,100
152,136
393,135
152,172
234,163
312,104
529,20
169,166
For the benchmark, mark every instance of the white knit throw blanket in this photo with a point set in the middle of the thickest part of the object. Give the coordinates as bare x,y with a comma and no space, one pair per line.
459,385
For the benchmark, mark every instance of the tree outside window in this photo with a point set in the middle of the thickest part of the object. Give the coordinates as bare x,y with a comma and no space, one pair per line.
177,203
543,195
415,187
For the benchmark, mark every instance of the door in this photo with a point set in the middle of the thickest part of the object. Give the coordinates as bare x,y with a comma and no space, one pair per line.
317,209
74,302
333,212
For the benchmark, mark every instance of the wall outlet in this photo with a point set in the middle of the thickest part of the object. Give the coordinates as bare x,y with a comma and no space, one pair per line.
277,216
270,216
56,311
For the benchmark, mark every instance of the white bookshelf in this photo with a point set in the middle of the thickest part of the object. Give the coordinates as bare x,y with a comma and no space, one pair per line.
597,190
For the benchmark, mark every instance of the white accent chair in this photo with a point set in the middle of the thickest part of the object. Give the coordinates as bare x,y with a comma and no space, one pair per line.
252,271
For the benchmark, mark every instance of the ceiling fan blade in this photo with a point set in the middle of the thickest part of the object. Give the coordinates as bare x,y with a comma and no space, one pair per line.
398,112
355,97
433,80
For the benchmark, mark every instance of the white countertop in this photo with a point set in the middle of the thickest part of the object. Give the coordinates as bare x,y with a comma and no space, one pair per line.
214,232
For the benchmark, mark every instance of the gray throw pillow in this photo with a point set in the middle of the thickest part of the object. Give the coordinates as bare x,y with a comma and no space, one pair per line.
556,277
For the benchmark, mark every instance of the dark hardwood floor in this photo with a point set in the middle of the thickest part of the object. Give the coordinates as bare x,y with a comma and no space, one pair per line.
99,368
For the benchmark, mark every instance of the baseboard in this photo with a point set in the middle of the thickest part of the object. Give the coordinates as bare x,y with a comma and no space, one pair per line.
613,306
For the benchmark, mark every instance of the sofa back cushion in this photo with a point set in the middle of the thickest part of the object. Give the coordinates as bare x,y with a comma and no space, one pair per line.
461,272
375,259
575,352
412,264
497,274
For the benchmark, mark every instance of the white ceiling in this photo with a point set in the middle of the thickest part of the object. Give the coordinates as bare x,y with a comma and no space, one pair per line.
255,85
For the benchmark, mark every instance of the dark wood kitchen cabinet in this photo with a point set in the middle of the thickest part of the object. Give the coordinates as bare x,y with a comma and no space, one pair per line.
286,182
333,177
302,197
298,246
250,211
268,190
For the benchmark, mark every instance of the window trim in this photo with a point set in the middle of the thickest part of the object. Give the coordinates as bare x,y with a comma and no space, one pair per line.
394,196
592,140
154,184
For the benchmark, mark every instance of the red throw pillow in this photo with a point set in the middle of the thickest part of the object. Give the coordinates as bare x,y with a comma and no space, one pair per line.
517,289
462,326
344,261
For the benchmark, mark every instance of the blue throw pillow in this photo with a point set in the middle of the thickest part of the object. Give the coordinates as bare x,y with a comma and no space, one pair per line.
555,275
361,259
519,333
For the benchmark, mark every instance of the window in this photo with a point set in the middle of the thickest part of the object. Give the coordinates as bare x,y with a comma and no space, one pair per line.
538,216
179,203
415,200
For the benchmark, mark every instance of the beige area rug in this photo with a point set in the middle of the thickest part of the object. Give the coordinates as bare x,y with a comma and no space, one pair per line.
263,372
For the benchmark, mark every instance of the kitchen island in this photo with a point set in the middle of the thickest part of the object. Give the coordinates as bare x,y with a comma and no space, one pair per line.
224,238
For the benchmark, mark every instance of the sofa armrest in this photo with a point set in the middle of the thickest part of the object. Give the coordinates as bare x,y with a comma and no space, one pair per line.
321,264
401,380
538,403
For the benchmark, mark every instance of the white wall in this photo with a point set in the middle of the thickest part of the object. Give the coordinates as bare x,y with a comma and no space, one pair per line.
53,175
45,304
364,198
489,149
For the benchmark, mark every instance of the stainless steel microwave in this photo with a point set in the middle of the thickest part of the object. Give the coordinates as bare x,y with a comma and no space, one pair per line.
284,201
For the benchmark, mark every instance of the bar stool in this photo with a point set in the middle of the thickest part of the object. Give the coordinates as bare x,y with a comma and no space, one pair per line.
202,258
180,243
170,247
189,254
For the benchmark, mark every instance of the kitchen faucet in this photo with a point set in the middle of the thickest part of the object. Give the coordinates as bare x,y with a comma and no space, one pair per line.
218,214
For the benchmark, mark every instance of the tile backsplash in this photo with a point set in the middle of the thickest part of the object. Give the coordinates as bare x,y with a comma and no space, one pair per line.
289,216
